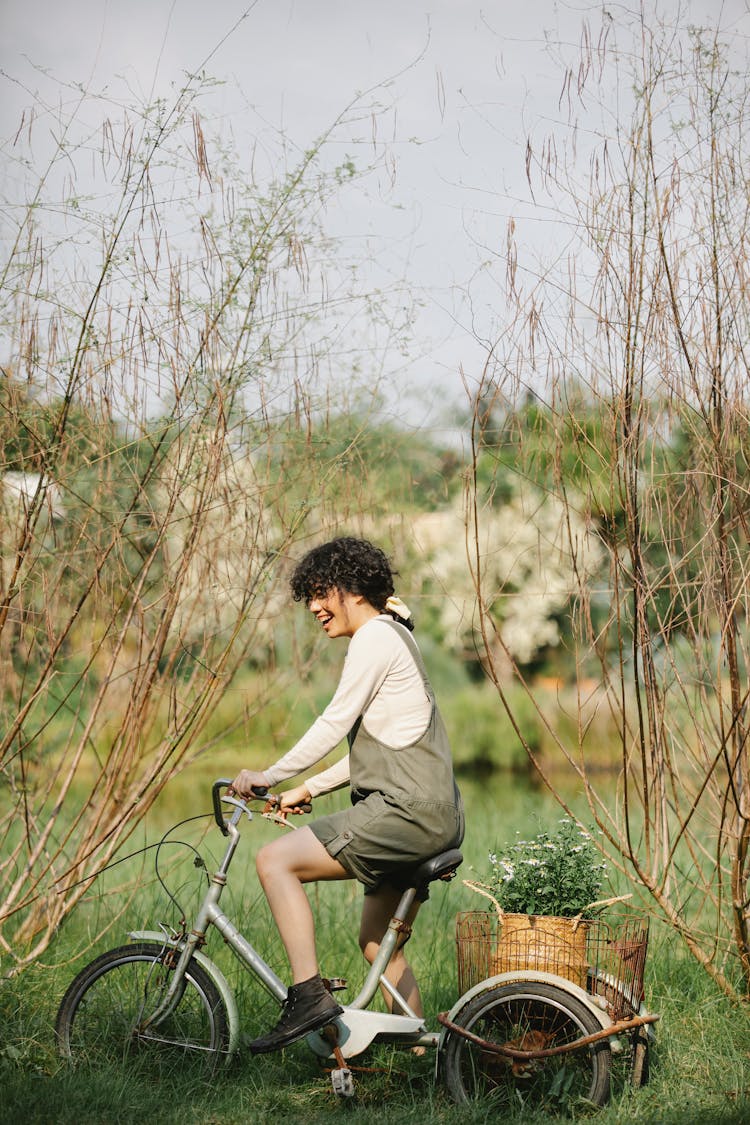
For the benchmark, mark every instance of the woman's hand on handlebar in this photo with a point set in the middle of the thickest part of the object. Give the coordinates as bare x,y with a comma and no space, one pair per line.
296,800
247,782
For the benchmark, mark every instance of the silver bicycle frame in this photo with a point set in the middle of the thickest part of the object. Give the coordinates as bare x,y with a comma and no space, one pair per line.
358,1026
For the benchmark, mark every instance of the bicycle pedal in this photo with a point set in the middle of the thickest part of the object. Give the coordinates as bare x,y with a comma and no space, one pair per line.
342,1082
335,984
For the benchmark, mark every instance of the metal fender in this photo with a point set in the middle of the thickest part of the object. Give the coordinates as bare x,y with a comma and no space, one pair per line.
520,978
214,973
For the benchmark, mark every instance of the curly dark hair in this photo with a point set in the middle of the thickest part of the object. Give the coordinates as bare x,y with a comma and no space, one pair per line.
354,566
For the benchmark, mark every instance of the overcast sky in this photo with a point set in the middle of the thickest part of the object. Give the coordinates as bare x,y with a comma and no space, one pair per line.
470,81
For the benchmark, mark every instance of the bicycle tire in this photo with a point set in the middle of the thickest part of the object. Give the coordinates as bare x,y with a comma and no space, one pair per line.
102,1010
640,1062
527,1015
621,1004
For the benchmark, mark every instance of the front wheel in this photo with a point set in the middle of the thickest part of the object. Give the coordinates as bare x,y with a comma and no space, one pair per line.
526,1016
103,1017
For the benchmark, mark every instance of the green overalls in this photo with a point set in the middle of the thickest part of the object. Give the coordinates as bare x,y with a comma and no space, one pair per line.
406,806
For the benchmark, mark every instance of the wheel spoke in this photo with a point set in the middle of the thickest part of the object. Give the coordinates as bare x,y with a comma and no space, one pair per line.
526,1017
107,1003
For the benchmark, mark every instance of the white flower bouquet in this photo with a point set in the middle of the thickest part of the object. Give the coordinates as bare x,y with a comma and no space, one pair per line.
545,892
556,873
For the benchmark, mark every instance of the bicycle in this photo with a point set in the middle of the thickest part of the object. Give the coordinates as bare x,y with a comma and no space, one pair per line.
161,992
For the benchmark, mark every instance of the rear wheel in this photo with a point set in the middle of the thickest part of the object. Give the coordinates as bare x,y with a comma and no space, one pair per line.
526,1016
639,1072
103,1017
622,1004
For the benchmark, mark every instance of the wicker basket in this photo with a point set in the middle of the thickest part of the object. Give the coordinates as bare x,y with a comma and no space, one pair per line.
604,957
543,943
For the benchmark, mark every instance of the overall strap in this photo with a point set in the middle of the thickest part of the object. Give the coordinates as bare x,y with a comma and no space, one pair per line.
413,648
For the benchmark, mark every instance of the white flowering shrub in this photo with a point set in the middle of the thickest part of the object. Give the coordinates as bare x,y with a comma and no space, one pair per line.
559,873
220,539
532,557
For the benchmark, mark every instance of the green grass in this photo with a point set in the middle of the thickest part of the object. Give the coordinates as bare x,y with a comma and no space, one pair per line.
700,1068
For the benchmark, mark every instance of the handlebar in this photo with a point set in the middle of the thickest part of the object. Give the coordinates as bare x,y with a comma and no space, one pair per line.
223,783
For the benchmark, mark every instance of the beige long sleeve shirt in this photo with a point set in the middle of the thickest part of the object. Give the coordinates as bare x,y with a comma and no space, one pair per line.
379,682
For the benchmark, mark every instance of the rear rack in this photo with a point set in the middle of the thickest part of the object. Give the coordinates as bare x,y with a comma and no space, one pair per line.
605,956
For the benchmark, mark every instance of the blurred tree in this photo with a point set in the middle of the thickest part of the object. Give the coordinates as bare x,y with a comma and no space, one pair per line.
165,314
636,349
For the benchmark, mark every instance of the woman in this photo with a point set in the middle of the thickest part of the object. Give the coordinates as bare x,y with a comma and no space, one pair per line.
405,804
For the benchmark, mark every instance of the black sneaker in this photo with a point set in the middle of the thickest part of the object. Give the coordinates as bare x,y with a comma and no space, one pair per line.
308,1007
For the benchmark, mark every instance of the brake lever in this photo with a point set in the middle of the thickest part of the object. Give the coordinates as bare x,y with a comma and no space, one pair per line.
238,804
281,817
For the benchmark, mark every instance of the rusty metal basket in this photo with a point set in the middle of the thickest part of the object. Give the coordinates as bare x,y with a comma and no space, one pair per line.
606,956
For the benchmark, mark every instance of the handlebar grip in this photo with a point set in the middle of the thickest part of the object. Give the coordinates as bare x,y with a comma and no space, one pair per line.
223,783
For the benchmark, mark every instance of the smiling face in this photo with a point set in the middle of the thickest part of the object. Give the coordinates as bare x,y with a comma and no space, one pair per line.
341,613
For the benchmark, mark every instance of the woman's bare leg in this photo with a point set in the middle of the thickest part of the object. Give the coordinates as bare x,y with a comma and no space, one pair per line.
284,866
377,912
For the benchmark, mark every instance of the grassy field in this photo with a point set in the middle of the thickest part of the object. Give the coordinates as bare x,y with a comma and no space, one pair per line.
700,1067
